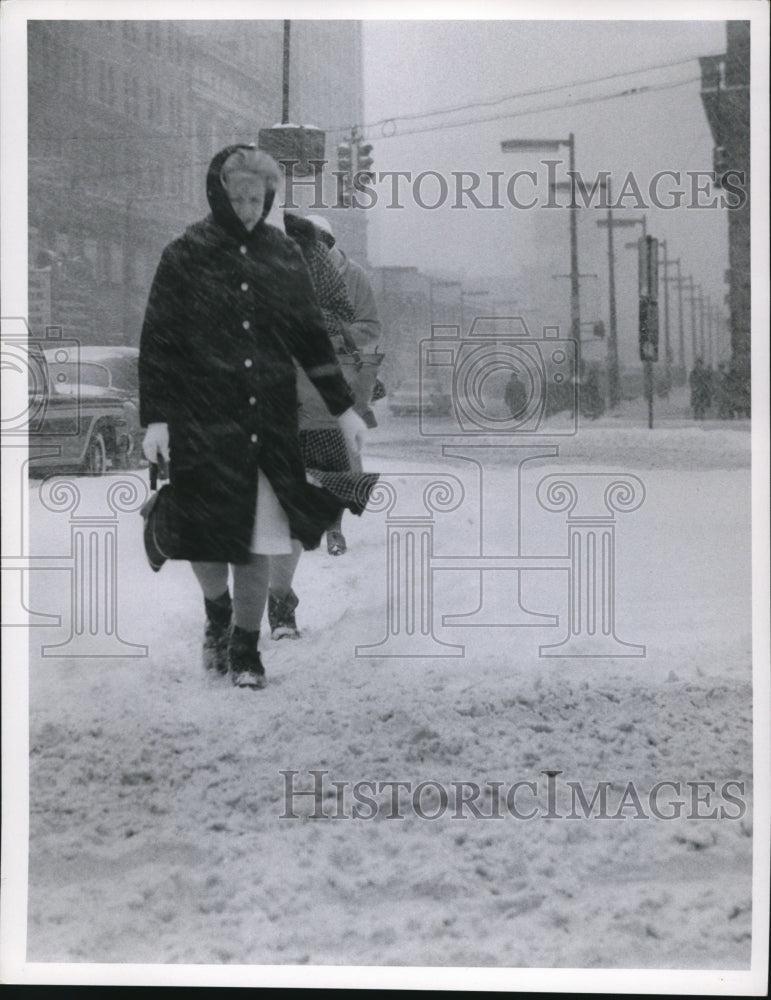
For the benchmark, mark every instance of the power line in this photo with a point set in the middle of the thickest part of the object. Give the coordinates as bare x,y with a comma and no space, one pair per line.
528,93
630,92
394,119
442,126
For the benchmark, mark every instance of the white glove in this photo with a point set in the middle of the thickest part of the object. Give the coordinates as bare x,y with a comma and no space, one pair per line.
156,441
354,430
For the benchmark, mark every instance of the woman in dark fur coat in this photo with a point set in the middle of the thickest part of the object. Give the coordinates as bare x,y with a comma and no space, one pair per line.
230,308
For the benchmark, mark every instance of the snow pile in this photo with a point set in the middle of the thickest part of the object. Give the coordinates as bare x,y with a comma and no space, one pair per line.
156,795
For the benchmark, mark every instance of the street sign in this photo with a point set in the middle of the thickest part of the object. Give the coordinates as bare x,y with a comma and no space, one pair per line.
648,250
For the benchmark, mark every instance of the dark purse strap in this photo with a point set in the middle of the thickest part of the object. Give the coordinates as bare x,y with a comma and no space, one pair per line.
158,470
351,348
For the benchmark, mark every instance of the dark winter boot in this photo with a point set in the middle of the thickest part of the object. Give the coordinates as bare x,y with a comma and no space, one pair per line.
246,669
219,613
336,544
281,616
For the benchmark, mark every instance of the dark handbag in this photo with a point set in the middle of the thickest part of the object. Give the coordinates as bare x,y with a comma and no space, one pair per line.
161,517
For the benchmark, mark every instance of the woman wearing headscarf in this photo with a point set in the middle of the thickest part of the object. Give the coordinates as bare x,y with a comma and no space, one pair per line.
230,308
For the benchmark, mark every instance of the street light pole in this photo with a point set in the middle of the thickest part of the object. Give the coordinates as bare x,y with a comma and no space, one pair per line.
689,282
667,348
680,331
614,386
575,309
614,390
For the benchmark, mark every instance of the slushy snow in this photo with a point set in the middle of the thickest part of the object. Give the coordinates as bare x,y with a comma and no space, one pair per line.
156,793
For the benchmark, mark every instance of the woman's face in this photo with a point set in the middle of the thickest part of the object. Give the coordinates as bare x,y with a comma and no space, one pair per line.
247,196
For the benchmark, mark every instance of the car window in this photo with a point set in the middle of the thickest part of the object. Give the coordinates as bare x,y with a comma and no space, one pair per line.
125,374
37,371
86,373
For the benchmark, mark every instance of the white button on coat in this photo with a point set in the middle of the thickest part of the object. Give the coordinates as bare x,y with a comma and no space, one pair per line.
248,363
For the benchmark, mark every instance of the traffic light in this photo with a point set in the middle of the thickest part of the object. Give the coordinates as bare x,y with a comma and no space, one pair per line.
364,173
344,157
649,296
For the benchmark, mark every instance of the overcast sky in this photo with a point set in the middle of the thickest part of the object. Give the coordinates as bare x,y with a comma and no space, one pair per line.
417,66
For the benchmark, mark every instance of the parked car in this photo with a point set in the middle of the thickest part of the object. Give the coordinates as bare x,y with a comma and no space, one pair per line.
411,397
113,369
87,420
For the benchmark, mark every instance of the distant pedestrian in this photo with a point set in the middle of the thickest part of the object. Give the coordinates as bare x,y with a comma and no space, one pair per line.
591,399
701,389
725,410
515,396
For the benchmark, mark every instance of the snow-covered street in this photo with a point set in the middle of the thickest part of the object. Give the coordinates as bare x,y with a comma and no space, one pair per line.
156,795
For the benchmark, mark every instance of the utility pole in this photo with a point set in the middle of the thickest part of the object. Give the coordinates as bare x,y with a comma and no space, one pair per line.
614,388
575,314
680,334
667,348
689,283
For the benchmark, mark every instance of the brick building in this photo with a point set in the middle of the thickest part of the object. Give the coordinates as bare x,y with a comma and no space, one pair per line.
725,93
124,117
